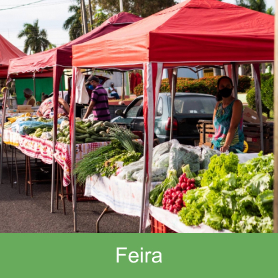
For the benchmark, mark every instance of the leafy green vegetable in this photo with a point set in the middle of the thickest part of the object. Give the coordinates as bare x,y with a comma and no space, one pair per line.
259,183
265,203
156,195
233,196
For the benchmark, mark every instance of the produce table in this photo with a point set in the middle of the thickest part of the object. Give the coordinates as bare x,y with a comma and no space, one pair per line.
42,149
125,198
122,196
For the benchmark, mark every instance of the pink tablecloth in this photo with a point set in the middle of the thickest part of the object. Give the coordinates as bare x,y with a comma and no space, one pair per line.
63,156
42,149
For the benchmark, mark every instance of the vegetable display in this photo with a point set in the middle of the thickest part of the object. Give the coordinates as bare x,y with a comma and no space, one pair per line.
104,160
233,196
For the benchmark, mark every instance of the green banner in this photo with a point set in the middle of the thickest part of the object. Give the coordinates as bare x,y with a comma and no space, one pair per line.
93,255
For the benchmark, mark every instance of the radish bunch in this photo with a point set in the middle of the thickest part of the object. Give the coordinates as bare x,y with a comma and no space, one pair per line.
172,198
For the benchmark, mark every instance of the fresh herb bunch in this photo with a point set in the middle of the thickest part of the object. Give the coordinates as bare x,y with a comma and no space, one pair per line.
93,161
125,137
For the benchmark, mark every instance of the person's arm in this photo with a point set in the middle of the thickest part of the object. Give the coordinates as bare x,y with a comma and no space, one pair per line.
39,113
214,112
236,117
90,109
64,103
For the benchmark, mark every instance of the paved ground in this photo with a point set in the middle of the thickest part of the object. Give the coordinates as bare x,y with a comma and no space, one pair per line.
22,214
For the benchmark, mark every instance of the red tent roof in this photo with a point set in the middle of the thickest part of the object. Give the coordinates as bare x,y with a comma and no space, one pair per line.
7,52
192,32
62,55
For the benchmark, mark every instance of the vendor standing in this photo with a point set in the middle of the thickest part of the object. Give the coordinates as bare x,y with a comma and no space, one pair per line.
227,118
99,101
29,98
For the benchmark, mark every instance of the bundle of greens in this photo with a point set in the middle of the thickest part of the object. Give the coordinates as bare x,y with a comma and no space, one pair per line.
103,160
156,195
233,196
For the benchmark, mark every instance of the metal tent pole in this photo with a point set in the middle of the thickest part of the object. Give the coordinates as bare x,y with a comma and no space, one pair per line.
275,203
141,230
235,79
73,150
259,101
2,141
173,94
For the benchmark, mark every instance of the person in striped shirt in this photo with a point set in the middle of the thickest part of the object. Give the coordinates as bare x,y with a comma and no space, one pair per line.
99,101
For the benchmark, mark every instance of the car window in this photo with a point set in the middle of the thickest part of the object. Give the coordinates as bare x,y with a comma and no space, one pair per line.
133,111
159,108
194,105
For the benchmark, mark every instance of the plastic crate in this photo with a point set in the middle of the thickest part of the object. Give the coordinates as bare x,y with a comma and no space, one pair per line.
158,227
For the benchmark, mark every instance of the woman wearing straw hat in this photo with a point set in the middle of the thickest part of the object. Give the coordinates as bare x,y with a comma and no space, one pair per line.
29,98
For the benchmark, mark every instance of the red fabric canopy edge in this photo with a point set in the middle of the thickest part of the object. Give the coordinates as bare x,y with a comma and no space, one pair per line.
62,55
193,32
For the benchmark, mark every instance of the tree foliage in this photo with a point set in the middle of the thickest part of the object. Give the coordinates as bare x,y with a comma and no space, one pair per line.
255,5
142,8
36,39
74,23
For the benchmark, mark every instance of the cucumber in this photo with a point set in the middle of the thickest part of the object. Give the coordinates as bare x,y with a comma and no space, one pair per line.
98,129
78,130
98,124
86,125
82,137
89,140
108,124
103,134
91,132
100,139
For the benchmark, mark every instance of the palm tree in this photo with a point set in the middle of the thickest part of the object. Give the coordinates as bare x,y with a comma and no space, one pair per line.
36,39
74,23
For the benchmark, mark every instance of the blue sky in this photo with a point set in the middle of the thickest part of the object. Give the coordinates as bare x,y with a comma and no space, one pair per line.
51,15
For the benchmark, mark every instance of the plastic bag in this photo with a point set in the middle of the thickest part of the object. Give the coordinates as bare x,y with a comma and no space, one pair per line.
46,135
182,155
162,149
162,161
207,153
127,171
64,124
158,174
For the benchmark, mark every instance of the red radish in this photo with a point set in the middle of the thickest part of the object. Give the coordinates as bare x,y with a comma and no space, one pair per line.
164,207
184,191
183,185
178,188
180,195
175,211
193,180
179,208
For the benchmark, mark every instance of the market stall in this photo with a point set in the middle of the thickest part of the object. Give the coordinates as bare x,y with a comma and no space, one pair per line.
187,34
224,193
55,60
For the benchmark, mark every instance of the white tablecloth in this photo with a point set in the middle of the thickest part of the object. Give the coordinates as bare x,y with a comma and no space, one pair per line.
122,196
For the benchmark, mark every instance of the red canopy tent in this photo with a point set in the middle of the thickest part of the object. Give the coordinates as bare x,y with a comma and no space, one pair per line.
59,58
7,52
194,32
